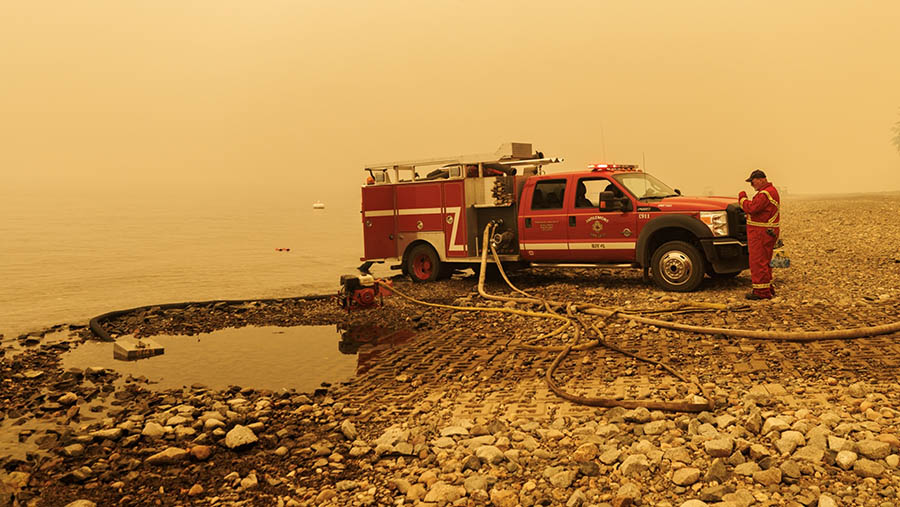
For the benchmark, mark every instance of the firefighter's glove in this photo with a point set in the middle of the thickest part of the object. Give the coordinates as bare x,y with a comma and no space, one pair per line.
742,195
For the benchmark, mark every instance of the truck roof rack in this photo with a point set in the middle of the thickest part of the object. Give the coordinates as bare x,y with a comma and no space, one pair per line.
508,154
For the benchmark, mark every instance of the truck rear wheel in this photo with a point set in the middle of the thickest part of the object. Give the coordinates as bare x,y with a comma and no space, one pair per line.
677,266
423,264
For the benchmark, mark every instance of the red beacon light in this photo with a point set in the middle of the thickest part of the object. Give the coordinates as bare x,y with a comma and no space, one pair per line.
612,167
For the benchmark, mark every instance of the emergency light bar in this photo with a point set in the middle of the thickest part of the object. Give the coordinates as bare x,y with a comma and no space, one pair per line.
612,167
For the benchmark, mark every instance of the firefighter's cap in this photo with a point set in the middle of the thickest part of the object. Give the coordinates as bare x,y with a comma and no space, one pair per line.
756,174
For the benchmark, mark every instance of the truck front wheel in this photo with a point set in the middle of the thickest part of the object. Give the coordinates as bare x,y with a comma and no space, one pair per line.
677,266
423,264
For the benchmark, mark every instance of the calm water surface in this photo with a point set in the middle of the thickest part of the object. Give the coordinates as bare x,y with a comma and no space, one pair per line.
274,358
69,255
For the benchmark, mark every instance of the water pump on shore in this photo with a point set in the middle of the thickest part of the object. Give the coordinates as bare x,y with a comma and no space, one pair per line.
360,292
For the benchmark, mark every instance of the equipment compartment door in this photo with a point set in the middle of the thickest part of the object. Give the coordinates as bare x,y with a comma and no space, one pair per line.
379,222
454,218
542,222
595,234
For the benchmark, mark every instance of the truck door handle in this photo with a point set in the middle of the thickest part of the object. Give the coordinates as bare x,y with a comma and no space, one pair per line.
527,222
571,221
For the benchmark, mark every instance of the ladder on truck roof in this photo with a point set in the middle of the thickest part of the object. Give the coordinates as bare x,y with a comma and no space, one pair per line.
507,156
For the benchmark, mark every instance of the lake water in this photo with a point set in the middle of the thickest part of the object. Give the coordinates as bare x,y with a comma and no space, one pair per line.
69,254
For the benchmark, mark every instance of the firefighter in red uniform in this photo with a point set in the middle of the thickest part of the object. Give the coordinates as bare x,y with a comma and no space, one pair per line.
762,232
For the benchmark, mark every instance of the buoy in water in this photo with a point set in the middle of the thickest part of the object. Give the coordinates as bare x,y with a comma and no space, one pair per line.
282,249
318,205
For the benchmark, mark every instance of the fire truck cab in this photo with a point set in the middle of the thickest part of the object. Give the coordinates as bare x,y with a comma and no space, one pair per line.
609,215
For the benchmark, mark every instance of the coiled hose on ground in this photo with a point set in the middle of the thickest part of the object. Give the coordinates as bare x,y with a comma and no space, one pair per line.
573,321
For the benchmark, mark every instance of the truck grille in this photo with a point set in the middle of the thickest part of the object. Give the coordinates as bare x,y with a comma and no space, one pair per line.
737,222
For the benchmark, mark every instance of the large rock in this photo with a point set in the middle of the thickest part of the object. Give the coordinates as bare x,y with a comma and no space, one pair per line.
628,494
874,449
858,390
153,430
768,477
169,456
395,434
201,452
809,453
562,479
845,459
655,427
639,415
504,498
473,483
717,471
67,399
585,452
443,493
791,469
454,431
348,429
790,441
635,464
490,454
719,447
686,476
240,437
868,468
774,424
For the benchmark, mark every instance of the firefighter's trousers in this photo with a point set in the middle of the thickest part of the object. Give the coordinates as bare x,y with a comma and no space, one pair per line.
761,243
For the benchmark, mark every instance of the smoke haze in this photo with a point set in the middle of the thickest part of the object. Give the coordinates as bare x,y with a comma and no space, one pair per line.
297,96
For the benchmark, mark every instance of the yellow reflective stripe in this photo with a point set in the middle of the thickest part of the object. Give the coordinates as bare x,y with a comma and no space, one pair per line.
769,224
771,200
761,285
742,200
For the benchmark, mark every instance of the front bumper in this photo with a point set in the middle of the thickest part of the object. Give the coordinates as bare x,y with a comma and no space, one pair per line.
726,255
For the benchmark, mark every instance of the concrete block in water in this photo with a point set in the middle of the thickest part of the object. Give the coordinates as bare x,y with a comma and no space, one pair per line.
129,348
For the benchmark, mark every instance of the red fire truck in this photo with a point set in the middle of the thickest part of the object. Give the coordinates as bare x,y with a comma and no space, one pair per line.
428,217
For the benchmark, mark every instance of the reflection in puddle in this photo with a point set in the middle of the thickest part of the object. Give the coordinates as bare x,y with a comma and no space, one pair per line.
370,341
274,358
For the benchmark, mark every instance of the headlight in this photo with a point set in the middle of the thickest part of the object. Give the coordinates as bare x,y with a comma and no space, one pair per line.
717,221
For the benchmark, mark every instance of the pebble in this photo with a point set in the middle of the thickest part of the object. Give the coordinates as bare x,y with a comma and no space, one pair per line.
170,456
240,437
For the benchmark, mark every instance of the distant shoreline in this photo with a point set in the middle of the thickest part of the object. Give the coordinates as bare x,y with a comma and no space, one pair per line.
887,193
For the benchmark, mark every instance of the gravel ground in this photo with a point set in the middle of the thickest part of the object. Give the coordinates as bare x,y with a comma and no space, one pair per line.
460,415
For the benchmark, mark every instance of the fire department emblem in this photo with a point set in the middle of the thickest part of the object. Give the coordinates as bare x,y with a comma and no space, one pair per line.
596,223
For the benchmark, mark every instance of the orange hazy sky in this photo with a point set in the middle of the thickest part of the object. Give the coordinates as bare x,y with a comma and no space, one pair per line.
288,93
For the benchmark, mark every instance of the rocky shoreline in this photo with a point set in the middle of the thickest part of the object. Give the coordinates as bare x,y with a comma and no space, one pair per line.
472,423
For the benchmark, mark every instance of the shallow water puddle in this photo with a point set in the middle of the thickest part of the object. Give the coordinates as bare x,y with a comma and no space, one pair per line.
273,358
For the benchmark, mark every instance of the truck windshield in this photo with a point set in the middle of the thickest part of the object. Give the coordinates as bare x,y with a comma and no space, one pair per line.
643,186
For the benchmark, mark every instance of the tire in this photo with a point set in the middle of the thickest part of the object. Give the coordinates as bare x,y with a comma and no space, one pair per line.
677,267
423,264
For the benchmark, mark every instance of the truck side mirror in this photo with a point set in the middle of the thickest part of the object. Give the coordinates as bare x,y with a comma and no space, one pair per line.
609,201
678,191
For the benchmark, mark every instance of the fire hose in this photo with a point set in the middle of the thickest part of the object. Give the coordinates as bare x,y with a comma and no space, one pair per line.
575,322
